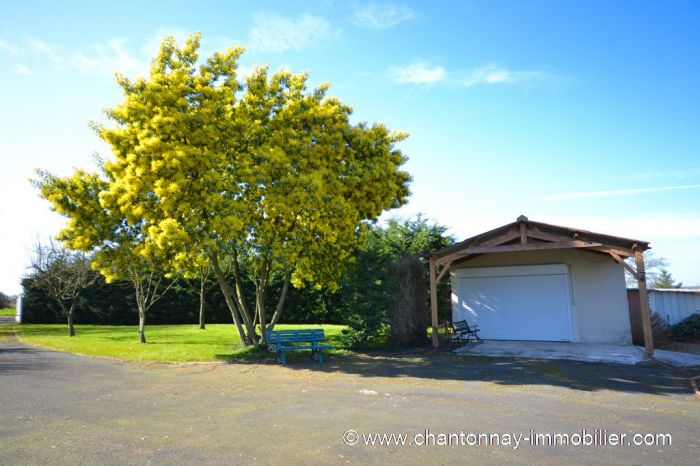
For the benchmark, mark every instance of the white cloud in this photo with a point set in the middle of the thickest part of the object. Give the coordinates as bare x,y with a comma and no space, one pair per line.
422,72
381,16
30,218
274,33
42,48
418,73
152,44
22,70
492,74
108,59
103,59
245,70
8,47
615,192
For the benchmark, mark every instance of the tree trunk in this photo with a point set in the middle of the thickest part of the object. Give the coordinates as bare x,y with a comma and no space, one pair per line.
226,291
201,304
241,300
260,304
71,330
280,305
142,324
141,296
68,312
260,290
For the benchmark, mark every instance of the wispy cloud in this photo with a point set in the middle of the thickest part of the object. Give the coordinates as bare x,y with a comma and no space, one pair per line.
7,47
107,59
381,16
615,192
21,69
274,33
418,72
152,45
492,74
38,56
422,72
42,48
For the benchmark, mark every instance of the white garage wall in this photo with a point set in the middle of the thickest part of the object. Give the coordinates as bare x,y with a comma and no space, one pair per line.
599,306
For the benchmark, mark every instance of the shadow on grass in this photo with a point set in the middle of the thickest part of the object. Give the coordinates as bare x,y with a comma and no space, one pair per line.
584,376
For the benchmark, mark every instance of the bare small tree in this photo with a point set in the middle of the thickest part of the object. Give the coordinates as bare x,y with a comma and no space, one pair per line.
201,283
653,266
203,275
148,288
62,274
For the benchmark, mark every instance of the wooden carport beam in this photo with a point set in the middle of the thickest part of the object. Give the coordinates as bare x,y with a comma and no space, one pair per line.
516,247
433,303
433,297
444,270
640,275
644,303
622,262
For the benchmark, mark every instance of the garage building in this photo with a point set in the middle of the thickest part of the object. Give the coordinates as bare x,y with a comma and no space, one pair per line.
534,281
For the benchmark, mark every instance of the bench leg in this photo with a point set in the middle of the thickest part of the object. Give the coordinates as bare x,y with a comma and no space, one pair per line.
319,356
283,356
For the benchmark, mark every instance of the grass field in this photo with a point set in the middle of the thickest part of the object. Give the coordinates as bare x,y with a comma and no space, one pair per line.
7,312
166,343
6,331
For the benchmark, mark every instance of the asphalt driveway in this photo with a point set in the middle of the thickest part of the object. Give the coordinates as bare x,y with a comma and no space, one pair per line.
58,408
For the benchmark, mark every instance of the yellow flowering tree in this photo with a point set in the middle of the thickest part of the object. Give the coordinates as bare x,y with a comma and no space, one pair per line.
120,250
261,173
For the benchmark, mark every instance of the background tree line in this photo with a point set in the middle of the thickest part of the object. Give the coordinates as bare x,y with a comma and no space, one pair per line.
361,301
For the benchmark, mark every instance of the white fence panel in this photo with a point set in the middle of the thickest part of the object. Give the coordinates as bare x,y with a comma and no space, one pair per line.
18,312
674,305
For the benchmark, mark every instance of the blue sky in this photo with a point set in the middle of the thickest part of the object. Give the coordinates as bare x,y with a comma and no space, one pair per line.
584,114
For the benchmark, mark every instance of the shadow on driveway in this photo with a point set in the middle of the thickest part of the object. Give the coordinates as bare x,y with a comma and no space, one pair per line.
16,357
649,378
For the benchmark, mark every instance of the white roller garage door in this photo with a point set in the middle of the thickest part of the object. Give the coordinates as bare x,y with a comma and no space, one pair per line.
515,303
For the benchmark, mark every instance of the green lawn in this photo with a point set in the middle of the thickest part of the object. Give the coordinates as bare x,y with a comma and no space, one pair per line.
7,312
6,331
166,343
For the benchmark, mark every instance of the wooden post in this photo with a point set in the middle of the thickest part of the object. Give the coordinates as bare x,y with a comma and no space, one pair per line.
434,303
644,303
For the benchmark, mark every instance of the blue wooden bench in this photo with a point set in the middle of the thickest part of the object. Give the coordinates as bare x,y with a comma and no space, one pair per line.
281,341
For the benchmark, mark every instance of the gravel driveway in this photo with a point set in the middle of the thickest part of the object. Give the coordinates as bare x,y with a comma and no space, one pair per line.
62,409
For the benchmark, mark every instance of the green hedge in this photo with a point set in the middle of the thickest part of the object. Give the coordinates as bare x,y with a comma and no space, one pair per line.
687,329
114,304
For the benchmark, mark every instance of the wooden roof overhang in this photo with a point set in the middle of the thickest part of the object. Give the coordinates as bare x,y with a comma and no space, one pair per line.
527,235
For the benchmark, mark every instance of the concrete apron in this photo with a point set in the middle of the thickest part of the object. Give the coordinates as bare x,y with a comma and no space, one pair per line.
618,354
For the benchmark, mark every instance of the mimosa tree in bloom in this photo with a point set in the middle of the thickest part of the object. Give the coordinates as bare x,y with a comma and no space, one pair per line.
120,250
262,173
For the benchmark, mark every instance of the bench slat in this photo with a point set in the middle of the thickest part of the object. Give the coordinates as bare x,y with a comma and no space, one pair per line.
293,336
280,340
